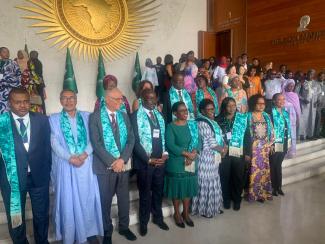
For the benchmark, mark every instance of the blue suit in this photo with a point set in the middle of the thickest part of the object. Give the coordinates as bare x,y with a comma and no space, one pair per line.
35,182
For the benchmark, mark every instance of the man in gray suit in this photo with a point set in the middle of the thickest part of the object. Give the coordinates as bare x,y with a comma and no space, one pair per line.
112,138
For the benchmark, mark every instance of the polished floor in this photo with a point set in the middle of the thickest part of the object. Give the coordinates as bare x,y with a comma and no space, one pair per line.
296,218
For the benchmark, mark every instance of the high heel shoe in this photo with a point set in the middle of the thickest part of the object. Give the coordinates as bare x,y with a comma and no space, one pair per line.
179,223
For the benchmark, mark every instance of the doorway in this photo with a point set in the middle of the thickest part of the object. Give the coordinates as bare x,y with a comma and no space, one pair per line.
214,44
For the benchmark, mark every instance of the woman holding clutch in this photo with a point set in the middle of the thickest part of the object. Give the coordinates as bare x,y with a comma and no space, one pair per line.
182,142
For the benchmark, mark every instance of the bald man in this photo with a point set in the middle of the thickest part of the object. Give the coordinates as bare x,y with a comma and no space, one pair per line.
112,138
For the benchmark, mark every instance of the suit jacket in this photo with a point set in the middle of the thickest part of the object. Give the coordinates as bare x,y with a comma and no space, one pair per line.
140,157
102,158
38,157
167,108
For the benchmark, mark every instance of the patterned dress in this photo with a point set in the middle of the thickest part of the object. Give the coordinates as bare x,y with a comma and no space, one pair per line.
10,78
260,187
209,199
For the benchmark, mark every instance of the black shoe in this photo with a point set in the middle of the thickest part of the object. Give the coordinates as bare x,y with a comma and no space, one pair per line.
220,212
179,224
226,205
261,200
128,234
161,224
107,240
236,206
274,193
143,230
92,240
188,221
208,217
281,192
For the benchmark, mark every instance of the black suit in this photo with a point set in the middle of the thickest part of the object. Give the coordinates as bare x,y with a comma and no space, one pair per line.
167,108
109,182
35,182
150,179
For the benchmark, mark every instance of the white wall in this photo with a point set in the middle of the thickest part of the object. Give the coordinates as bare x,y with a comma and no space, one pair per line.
176,32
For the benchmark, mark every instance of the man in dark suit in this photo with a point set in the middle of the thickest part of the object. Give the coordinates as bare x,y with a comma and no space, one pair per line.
149,156
28,159
112,138
175,94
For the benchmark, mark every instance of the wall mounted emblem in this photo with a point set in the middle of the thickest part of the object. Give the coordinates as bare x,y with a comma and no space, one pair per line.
117,27
304,22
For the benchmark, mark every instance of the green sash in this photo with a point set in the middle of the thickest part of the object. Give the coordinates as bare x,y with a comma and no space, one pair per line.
268,121
237,135
108,135
194,130
216,129
279,120
200,96
78,147
174,98
7,150
144,129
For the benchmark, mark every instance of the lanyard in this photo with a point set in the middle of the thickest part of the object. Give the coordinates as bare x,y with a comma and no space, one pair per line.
24,134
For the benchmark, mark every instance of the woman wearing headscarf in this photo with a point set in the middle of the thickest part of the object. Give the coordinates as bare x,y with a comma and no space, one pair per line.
218,74
292,106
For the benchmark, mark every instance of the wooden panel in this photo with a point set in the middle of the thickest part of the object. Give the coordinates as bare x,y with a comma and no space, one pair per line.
207,44
269,22
231,15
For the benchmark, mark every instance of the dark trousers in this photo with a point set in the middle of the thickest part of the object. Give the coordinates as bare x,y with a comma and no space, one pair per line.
150,184
276,160
39,197
232,176
109,185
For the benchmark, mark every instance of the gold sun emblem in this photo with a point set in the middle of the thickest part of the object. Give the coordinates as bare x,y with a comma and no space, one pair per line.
117,27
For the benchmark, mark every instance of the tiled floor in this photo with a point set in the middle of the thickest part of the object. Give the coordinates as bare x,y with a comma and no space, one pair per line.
297,218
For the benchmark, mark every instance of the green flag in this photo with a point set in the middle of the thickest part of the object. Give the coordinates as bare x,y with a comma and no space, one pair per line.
69,78
100,76
137,74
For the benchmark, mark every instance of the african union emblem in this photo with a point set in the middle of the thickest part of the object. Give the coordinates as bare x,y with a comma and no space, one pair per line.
117,27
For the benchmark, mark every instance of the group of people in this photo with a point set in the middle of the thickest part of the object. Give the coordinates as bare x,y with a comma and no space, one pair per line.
26,70
203,143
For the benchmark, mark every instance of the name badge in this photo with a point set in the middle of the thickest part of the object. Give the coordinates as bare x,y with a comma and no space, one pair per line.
323,93
229,135
1,76
156,133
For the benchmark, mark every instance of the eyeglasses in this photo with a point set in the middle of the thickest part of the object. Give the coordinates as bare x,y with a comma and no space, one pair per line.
117,99
68,98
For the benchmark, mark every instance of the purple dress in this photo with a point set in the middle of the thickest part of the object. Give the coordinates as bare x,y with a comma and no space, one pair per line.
260,187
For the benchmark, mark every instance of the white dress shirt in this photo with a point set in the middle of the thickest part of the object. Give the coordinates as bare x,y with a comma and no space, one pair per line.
272,87
27,124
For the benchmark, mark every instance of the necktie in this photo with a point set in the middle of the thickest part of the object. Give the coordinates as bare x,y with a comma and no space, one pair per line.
114,125
23,130
180,96
152,117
